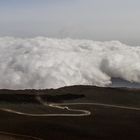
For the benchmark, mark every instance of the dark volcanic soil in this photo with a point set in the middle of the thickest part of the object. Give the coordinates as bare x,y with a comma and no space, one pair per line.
104,122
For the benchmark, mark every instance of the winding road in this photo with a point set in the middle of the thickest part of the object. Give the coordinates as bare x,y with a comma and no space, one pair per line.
64,106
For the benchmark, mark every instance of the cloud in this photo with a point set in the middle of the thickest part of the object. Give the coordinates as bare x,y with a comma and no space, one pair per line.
51,63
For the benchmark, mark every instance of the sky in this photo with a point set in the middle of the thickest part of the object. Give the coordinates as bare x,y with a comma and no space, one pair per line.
101,20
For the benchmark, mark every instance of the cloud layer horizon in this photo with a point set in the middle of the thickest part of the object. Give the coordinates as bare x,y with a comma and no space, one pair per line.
42,62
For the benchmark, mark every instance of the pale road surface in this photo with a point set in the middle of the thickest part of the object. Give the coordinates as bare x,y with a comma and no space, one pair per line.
13,136
63,106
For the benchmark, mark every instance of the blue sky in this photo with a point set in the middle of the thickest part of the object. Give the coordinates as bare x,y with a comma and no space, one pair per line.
88,19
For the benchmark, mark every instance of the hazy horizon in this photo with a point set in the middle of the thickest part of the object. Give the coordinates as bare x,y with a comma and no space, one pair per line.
101,20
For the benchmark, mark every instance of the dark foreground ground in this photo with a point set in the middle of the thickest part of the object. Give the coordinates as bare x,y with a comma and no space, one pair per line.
105,122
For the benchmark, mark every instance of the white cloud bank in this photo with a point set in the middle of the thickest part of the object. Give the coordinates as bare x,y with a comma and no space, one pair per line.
51,63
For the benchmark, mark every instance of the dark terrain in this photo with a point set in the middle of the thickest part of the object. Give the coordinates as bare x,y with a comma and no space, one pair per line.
105,122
